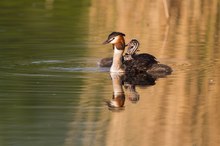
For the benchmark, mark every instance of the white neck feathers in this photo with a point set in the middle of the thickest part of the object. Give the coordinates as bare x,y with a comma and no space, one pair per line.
117,65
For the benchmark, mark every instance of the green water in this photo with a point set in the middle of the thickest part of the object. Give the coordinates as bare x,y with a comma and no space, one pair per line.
53,93
36,100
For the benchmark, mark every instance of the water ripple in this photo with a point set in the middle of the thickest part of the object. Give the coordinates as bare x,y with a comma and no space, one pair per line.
79,69
47,61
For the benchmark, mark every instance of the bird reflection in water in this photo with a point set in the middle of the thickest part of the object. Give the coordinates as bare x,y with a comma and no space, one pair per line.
132,94
121,81
118,98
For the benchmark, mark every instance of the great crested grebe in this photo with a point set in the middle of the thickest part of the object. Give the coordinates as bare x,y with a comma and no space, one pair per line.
134,63
117,39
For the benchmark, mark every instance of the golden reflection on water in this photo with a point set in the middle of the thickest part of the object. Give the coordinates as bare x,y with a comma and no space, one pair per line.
182,109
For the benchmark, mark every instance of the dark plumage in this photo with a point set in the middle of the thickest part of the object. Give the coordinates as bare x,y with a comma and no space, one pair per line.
140,63
144,62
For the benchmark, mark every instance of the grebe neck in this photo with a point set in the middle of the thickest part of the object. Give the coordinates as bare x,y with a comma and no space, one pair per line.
117,65
118,98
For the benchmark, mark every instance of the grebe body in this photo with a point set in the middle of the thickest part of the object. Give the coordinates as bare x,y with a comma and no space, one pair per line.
144,62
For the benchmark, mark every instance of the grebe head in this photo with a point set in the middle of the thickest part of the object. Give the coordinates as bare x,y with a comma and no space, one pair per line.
114,38
132,46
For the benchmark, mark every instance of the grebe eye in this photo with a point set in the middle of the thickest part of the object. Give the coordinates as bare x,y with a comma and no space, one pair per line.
111,39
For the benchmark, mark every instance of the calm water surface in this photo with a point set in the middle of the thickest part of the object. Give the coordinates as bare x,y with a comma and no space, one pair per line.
53,93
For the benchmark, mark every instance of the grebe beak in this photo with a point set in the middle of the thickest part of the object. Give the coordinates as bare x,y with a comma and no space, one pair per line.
106,42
